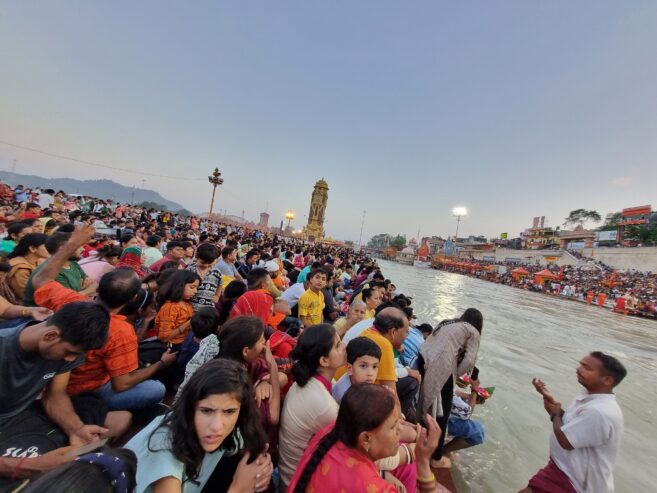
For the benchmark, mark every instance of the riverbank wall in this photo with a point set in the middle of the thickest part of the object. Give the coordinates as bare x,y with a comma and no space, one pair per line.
638,258
642,259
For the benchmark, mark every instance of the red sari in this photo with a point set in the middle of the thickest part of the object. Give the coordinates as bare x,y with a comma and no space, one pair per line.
255,303
341,467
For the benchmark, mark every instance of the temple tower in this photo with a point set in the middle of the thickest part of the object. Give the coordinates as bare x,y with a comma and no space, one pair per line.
314,230
264,220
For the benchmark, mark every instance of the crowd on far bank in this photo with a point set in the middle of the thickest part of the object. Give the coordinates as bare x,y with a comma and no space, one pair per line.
627,292
144,351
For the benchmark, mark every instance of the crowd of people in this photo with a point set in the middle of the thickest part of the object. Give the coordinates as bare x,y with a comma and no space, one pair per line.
628,292
216,358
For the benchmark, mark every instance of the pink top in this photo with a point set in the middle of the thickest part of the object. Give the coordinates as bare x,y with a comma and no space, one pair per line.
94,267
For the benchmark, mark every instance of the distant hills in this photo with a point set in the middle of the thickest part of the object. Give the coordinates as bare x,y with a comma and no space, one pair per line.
106,189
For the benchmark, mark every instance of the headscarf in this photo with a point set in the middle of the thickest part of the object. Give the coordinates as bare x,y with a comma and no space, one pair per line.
256,303
131,257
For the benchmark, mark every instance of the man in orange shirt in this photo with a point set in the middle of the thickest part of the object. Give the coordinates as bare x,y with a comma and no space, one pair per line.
112,372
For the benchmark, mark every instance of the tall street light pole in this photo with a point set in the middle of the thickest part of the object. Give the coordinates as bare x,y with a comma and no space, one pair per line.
216,180
459,212
360,239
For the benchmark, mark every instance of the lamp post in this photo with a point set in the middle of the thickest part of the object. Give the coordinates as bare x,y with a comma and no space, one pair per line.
459,212
216,180
289,215
360,238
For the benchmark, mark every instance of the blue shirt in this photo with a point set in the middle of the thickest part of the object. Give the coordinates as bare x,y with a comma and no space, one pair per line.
303,275
340,387
187,351
411,346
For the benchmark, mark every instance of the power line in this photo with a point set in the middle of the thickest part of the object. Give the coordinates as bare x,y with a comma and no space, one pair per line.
89,163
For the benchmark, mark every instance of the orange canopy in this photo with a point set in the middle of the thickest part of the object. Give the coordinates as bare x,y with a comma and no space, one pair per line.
520,271
546,274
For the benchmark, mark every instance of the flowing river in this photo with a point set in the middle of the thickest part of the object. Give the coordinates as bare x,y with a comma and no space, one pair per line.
528,335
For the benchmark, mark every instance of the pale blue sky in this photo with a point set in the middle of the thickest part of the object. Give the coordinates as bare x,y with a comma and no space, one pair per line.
514,109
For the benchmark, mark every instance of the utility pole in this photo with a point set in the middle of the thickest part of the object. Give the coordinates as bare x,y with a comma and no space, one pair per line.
360,239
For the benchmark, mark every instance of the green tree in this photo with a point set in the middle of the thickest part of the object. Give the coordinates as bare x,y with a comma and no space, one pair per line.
398,241
612,220
379,241
643,234
581,216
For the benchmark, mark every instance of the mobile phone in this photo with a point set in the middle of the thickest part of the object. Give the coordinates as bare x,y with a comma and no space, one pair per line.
85,449
475,373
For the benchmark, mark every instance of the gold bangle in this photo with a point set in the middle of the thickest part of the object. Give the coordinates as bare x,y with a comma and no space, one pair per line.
429,479
24,312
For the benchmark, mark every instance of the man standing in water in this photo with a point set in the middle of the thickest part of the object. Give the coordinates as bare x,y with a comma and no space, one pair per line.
586,436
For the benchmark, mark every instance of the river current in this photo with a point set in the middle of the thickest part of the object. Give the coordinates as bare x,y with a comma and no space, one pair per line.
528,335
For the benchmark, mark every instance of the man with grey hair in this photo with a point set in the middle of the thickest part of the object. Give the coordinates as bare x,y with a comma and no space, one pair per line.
354,315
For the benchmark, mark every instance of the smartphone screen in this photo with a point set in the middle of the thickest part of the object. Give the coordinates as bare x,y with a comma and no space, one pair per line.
85,449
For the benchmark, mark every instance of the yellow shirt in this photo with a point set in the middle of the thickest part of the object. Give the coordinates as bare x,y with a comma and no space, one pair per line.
311,305
387,362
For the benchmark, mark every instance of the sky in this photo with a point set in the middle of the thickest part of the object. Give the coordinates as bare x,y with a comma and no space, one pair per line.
512,109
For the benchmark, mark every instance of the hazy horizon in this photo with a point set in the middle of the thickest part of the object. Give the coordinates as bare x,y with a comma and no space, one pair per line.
511,109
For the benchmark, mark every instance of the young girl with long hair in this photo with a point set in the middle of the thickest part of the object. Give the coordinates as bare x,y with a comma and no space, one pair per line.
309,405
215,417
242,339
173,318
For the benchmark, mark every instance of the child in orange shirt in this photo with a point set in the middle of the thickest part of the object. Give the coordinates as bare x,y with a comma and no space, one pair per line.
173,320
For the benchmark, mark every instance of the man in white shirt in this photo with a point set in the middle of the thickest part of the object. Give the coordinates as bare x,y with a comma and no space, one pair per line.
586,436
294,292
46,199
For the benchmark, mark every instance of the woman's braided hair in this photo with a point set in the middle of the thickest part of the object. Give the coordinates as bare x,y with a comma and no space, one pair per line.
363,408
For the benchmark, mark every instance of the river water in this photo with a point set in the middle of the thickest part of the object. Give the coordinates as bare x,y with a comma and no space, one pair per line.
528,335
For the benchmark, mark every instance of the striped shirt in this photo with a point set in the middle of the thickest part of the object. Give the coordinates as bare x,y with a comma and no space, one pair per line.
411,348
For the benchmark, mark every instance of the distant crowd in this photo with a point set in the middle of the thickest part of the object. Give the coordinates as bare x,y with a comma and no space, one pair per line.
625,291
145,351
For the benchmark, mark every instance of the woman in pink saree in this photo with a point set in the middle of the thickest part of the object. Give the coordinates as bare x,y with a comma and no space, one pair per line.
341,456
